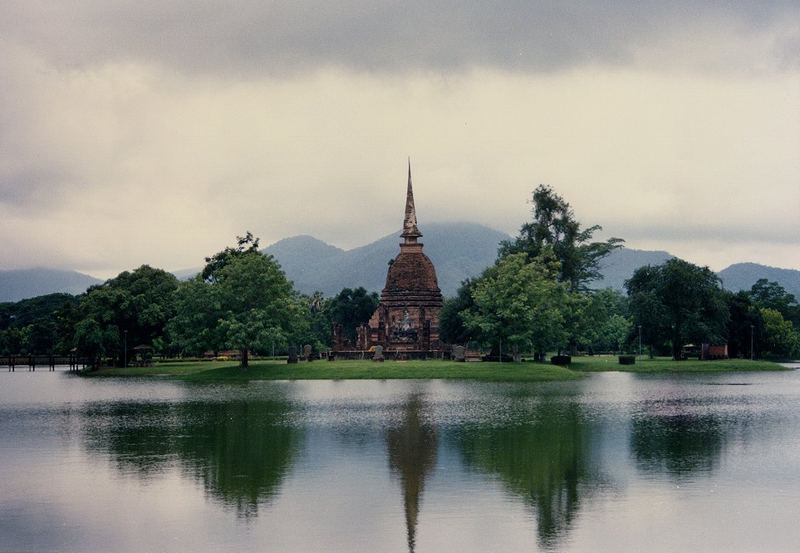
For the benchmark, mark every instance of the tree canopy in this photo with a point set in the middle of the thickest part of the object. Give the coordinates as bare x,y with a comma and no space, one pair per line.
554,226
519,302
245,303
679,303
138,302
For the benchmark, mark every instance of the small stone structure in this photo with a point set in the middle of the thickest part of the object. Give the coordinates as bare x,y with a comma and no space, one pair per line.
292,355
307,353
378,355
459,353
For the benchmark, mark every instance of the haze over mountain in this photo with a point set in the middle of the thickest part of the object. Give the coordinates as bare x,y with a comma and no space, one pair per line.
19,284
458,250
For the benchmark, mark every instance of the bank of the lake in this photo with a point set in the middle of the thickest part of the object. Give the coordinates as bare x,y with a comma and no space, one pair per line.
432,369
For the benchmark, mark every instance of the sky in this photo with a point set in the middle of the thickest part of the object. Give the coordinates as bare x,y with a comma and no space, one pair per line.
155,132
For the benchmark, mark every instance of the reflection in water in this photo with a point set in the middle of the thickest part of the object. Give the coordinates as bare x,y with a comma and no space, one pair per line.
412,456
679,443
239,450
543,457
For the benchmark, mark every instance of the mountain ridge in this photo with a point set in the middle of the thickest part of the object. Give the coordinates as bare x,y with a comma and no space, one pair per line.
19,284
458,251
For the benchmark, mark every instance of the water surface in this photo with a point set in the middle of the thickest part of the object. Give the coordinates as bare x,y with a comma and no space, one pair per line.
616,462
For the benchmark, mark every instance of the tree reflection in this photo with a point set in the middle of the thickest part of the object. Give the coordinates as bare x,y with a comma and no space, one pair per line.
680,443
412,457
240,451
542,456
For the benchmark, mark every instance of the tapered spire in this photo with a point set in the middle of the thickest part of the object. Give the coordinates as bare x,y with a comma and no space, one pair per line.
410,230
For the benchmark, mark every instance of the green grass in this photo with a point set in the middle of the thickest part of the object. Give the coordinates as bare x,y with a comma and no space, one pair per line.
602,363
350,370
200,371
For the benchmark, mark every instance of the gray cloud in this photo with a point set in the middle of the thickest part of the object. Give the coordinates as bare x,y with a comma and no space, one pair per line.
269,37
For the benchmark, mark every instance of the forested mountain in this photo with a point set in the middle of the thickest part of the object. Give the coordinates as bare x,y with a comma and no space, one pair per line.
18,284
458,250
741,276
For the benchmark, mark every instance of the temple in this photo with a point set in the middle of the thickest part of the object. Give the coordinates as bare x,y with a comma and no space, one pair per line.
406,322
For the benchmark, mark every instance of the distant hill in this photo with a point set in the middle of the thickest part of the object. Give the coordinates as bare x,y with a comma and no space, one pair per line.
19,284
458,250
620,265
742,276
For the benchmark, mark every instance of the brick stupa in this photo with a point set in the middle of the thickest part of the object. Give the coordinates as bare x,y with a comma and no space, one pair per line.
406,322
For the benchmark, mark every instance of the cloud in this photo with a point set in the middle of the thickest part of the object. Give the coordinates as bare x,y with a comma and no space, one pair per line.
279,37
155,133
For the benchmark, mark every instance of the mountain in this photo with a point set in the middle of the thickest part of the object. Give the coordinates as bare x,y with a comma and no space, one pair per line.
620,265
742,276
458,250
19,284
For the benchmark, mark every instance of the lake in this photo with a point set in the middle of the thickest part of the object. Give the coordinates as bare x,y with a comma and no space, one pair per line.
616,462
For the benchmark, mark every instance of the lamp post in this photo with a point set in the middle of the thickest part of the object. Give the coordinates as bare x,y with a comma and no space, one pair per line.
752,353
125,348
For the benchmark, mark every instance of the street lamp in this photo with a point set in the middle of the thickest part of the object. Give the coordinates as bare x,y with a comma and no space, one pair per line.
752,353
125,348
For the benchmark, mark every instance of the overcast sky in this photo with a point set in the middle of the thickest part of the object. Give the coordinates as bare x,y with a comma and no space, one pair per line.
155,132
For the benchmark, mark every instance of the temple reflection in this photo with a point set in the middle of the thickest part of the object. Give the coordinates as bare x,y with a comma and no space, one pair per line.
412,457
239,451
542,456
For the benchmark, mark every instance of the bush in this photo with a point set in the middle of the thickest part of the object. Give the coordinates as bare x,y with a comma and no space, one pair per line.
562,360
627,359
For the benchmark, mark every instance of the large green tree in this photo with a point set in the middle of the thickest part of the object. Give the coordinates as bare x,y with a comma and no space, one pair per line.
554,226
246,303
767,294
38,325
779,338
351,308
677,303
131,308
518,301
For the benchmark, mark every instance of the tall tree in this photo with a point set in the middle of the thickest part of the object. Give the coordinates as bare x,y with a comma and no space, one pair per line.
135,305
245,245
520,303
245,302
452,328
554,226
351,308
678,302
771,295
779,339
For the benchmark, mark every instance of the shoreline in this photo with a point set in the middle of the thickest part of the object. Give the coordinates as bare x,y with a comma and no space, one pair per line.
220,371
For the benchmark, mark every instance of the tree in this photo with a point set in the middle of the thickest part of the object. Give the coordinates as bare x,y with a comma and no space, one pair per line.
601,320
519,302
351,308
245,245
452,328
245,303
136,304
678,302
554,226
771,295
779,338
745,325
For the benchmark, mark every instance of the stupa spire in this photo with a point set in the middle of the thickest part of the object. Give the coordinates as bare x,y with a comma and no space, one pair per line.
410,230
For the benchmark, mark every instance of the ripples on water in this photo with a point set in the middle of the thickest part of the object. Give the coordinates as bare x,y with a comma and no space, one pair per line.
617,462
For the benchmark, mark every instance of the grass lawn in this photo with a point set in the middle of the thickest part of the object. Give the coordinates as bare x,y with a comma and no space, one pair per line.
198,371
601,363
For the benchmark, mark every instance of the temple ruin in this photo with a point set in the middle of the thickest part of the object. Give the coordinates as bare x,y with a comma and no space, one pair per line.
406,323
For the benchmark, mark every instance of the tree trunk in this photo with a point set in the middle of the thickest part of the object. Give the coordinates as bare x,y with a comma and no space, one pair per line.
245,359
